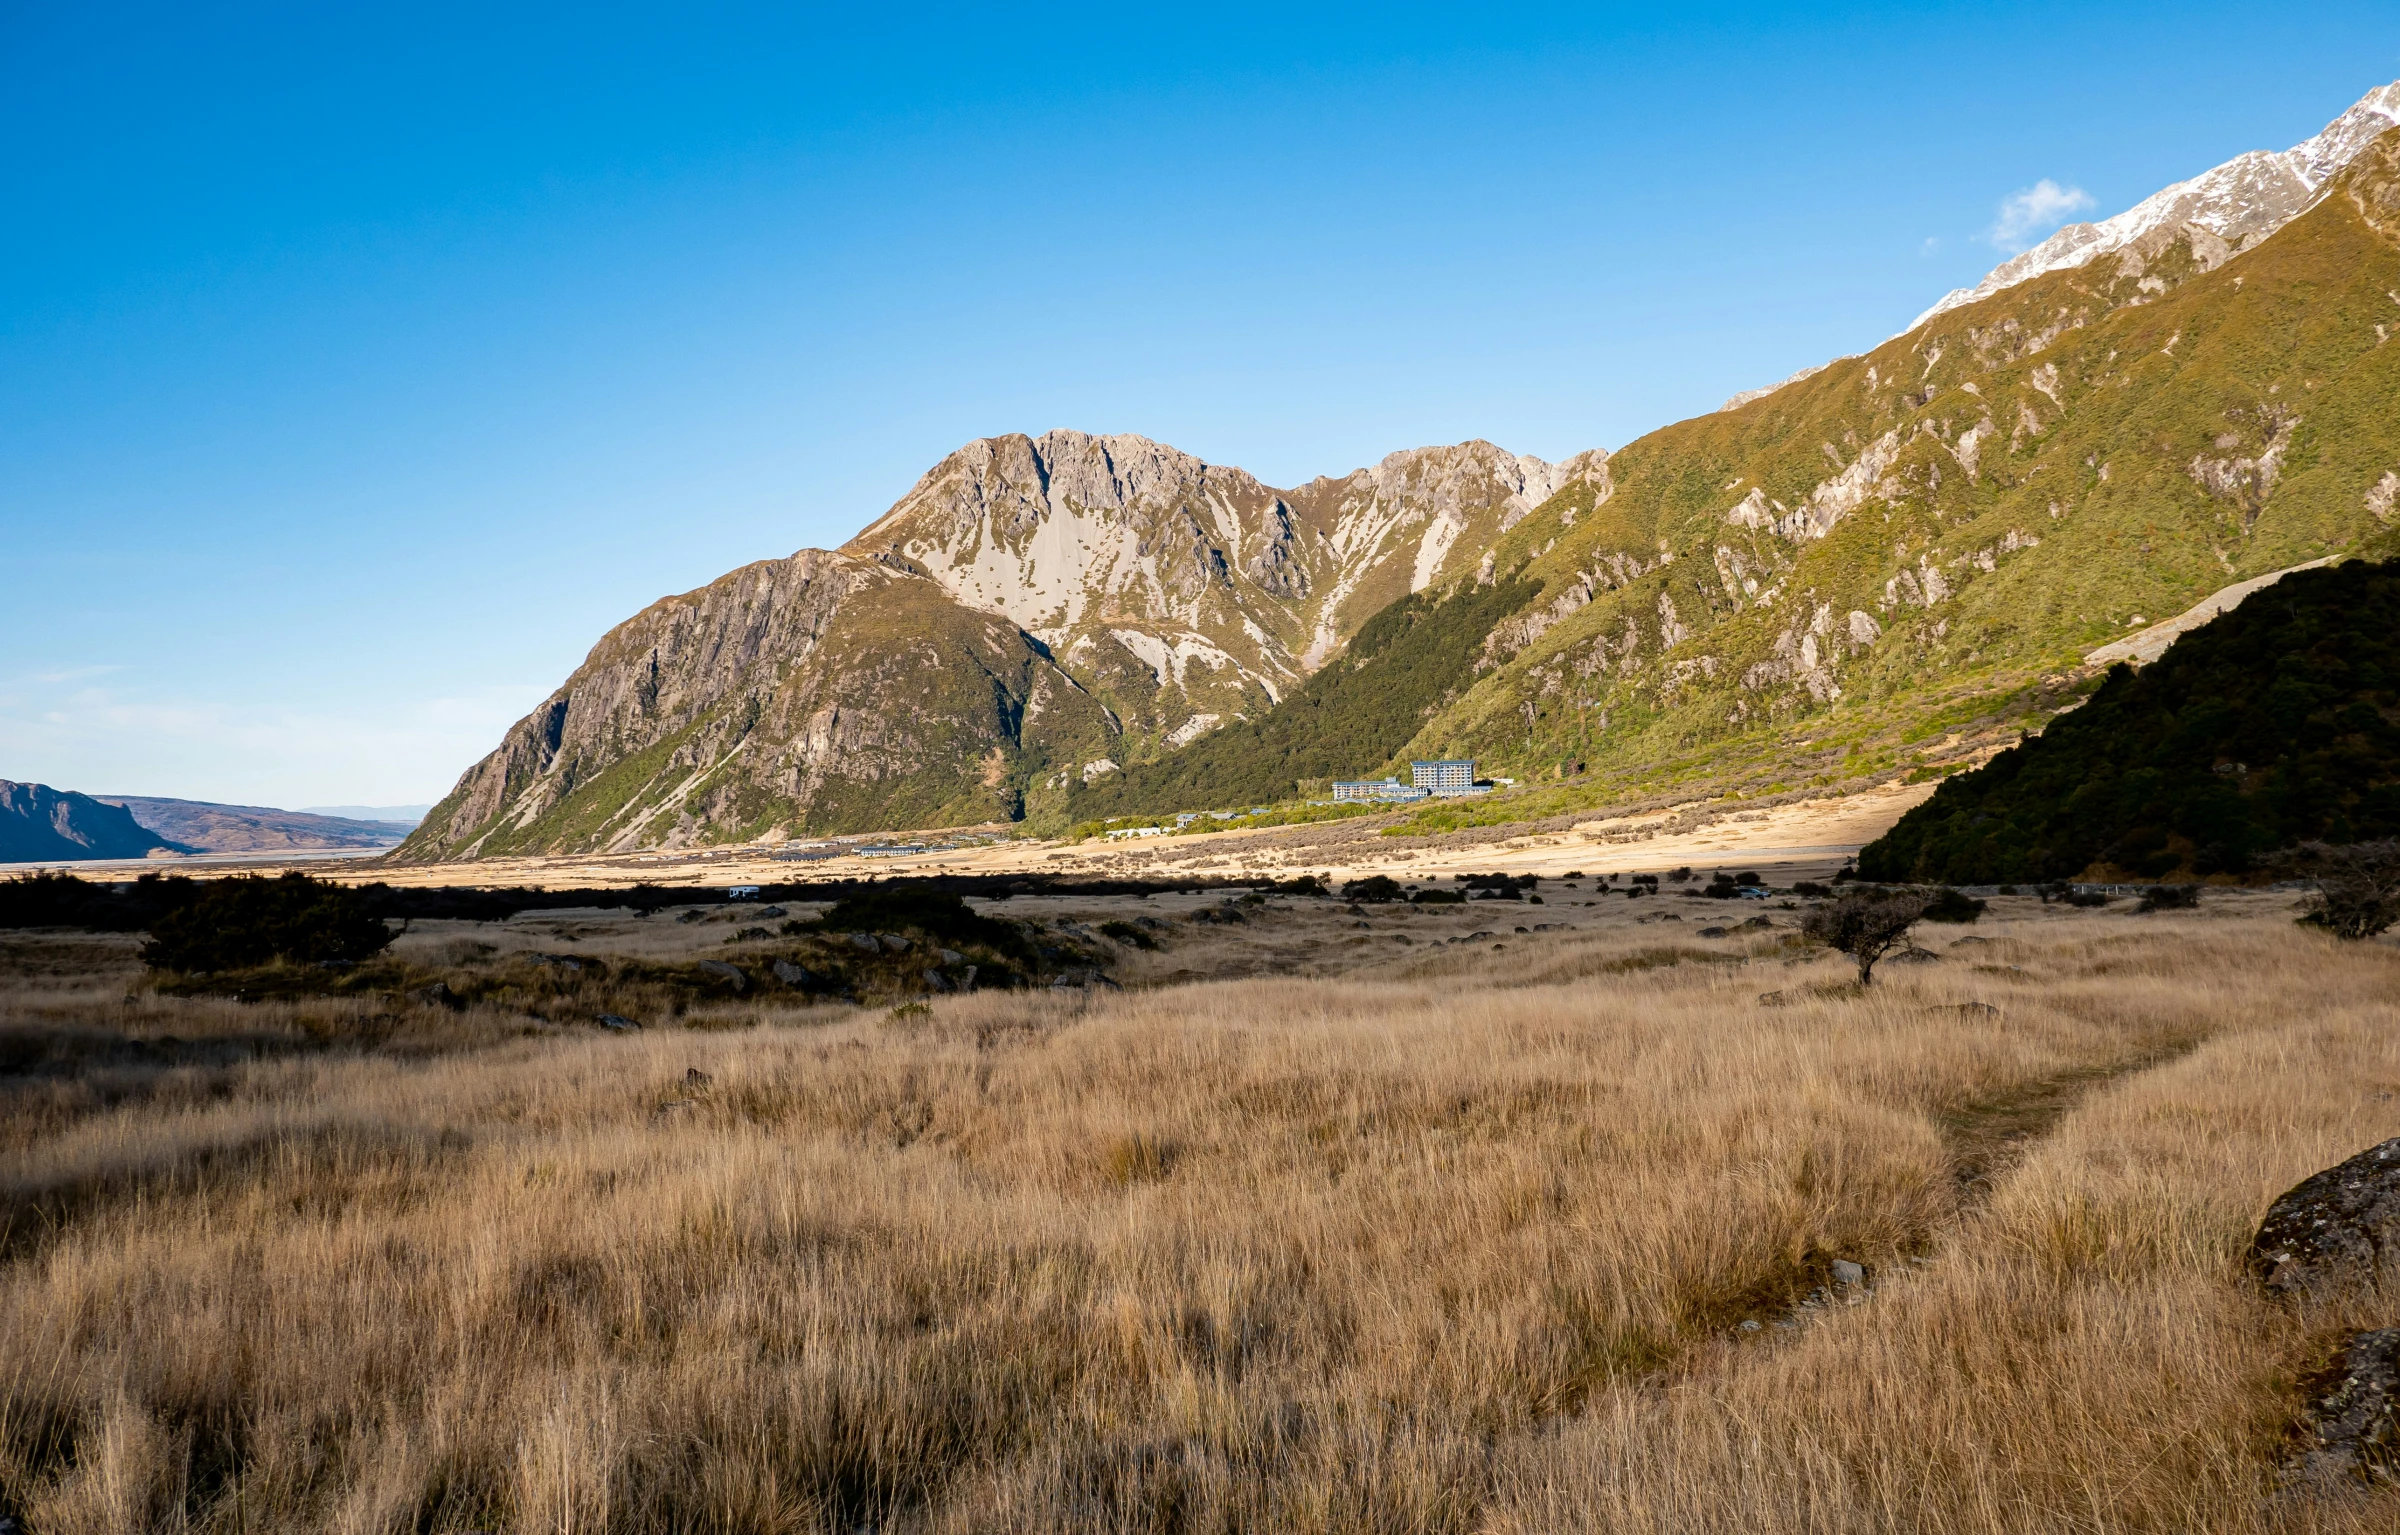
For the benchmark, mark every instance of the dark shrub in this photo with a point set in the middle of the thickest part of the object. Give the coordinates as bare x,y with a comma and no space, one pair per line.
1949,905
1864,925
1439,898
2169,898
1375,889
44,899
1809,887
935,913
2358,885
1126,932
233,924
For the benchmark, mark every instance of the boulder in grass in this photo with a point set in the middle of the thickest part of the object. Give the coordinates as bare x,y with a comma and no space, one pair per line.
2341,1226
617,1024
2354,1415
731,975
936,981
791,974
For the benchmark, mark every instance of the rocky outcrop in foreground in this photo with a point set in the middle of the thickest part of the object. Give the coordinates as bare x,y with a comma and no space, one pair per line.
2333,1235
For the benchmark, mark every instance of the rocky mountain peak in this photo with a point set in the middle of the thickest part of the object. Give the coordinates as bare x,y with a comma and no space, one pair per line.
2240,202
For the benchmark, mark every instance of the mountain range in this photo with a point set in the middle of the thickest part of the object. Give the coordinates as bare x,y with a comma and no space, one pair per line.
40,824
1829,577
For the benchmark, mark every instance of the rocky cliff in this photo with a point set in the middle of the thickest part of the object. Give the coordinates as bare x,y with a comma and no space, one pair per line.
1034,614
39,824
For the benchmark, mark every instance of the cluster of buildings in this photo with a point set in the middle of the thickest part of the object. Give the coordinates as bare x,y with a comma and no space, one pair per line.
1445,779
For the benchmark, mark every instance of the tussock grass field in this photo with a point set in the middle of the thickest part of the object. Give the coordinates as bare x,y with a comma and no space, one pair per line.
1466,1238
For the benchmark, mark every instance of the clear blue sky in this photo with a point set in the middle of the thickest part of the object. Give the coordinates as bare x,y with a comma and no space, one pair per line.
358,369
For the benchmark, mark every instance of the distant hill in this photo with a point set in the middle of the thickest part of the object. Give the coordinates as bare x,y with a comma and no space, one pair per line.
206,828
398,815
2275,723
39,824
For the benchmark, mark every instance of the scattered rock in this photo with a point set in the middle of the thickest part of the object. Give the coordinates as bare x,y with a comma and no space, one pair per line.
1713,932
729,974
770,911
1523,929
1847,1272
1913,956
951,956
438,994
892,943
1753,925
966,979
2354,1414
865,941
791,974
619,1024
1069,979
749,933
1472,937
2341,1225
937,981
1547,927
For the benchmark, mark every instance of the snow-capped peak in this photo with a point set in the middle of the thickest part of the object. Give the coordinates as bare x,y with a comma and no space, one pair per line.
2242,201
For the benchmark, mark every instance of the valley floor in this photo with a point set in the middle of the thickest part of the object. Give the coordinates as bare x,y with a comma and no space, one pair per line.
1488,1218
1815,833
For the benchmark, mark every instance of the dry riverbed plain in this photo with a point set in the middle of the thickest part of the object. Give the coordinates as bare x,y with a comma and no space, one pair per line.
1494,1217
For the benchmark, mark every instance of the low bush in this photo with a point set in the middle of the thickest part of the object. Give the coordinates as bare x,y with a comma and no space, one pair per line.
935,913
2169,898
1374,890
2357,886
1951,905
1865,925
233,924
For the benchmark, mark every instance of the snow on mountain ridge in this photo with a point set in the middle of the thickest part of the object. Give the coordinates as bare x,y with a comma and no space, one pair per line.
2242,201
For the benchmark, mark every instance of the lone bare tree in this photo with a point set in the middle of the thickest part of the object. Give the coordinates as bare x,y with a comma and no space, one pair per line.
2358,885
1866,926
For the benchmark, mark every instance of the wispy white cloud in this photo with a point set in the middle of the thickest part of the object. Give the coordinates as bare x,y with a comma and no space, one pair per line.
2028,216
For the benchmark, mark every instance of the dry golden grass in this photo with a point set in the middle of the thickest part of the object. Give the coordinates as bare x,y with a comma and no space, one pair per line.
1462,1242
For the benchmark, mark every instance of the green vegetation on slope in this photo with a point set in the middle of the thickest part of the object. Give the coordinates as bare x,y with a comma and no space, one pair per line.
2278,722
1350,719
1908,538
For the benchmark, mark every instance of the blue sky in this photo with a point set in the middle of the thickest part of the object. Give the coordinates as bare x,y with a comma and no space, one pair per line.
359,368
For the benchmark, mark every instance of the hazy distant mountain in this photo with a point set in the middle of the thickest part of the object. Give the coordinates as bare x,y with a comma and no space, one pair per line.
206,828
39,824
397,815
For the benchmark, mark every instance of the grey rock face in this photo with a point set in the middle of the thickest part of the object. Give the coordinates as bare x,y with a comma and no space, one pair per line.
2341,1226
936,981
2354,1414
791,974
1847,1272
